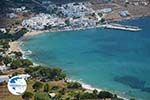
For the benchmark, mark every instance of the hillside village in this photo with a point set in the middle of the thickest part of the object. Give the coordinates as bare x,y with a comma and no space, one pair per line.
46,15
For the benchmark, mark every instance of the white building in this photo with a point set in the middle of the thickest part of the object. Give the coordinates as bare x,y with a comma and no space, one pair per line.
41,20
75,10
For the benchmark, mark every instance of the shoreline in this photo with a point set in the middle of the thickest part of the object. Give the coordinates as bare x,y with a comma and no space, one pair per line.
15,46
32,33
90,88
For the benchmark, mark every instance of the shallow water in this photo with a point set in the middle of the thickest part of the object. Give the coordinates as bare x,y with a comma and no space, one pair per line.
114,60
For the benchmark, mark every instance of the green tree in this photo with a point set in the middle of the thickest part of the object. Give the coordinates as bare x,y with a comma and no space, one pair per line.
77,96
105,94
46,87
102,20
74,85
100,14
26,63
6,46
88,95
47,27
7,60
18,54
93,14
24,30
15,64
27,95
1,58
41,96
30,70
14,74
95,91
115,96
57,73
62,91
37,86
67,22
46,73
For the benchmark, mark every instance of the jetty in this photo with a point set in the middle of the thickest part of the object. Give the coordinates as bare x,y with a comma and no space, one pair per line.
121,27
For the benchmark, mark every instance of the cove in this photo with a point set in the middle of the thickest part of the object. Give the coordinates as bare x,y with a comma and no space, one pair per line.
114,60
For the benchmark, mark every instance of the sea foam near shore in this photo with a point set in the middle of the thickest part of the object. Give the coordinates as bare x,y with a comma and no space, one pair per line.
95,46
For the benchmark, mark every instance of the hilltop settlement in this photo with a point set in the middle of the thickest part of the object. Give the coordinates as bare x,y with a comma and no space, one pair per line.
23,18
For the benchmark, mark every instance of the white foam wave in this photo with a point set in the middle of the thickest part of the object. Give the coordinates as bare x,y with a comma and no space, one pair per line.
89,87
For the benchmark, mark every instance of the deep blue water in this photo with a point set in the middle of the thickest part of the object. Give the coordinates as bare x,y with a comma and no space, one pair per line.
113,60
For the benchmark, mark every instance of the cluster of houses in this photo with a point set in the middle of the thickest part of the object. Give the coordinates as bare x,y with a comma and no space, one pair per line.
75,9
40,21
83,22
79,15
76,13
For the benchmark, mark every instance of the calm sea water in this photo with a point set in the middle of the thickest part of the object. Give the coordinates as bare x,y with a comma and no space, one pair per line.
114,60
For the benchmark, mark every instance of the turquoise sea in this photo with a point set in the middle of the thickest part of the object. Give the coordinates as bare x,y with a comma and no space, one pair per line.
114,60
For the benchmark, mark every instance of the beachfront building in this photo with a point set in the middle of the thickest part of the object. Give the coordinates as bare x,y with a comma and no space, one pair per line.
79,15
41,20
83,22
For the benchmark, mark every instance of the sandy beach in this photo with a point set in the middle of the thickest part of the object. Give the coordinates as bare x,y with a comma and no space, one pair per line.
32,33
15,45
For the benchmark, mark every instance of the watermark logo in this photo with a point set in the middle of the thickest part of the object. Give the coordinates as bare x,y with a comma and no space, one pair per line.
17,85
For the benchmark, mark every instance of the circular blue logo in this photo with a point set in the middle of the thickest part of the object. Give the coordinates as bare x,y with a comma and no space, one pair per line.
17,85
